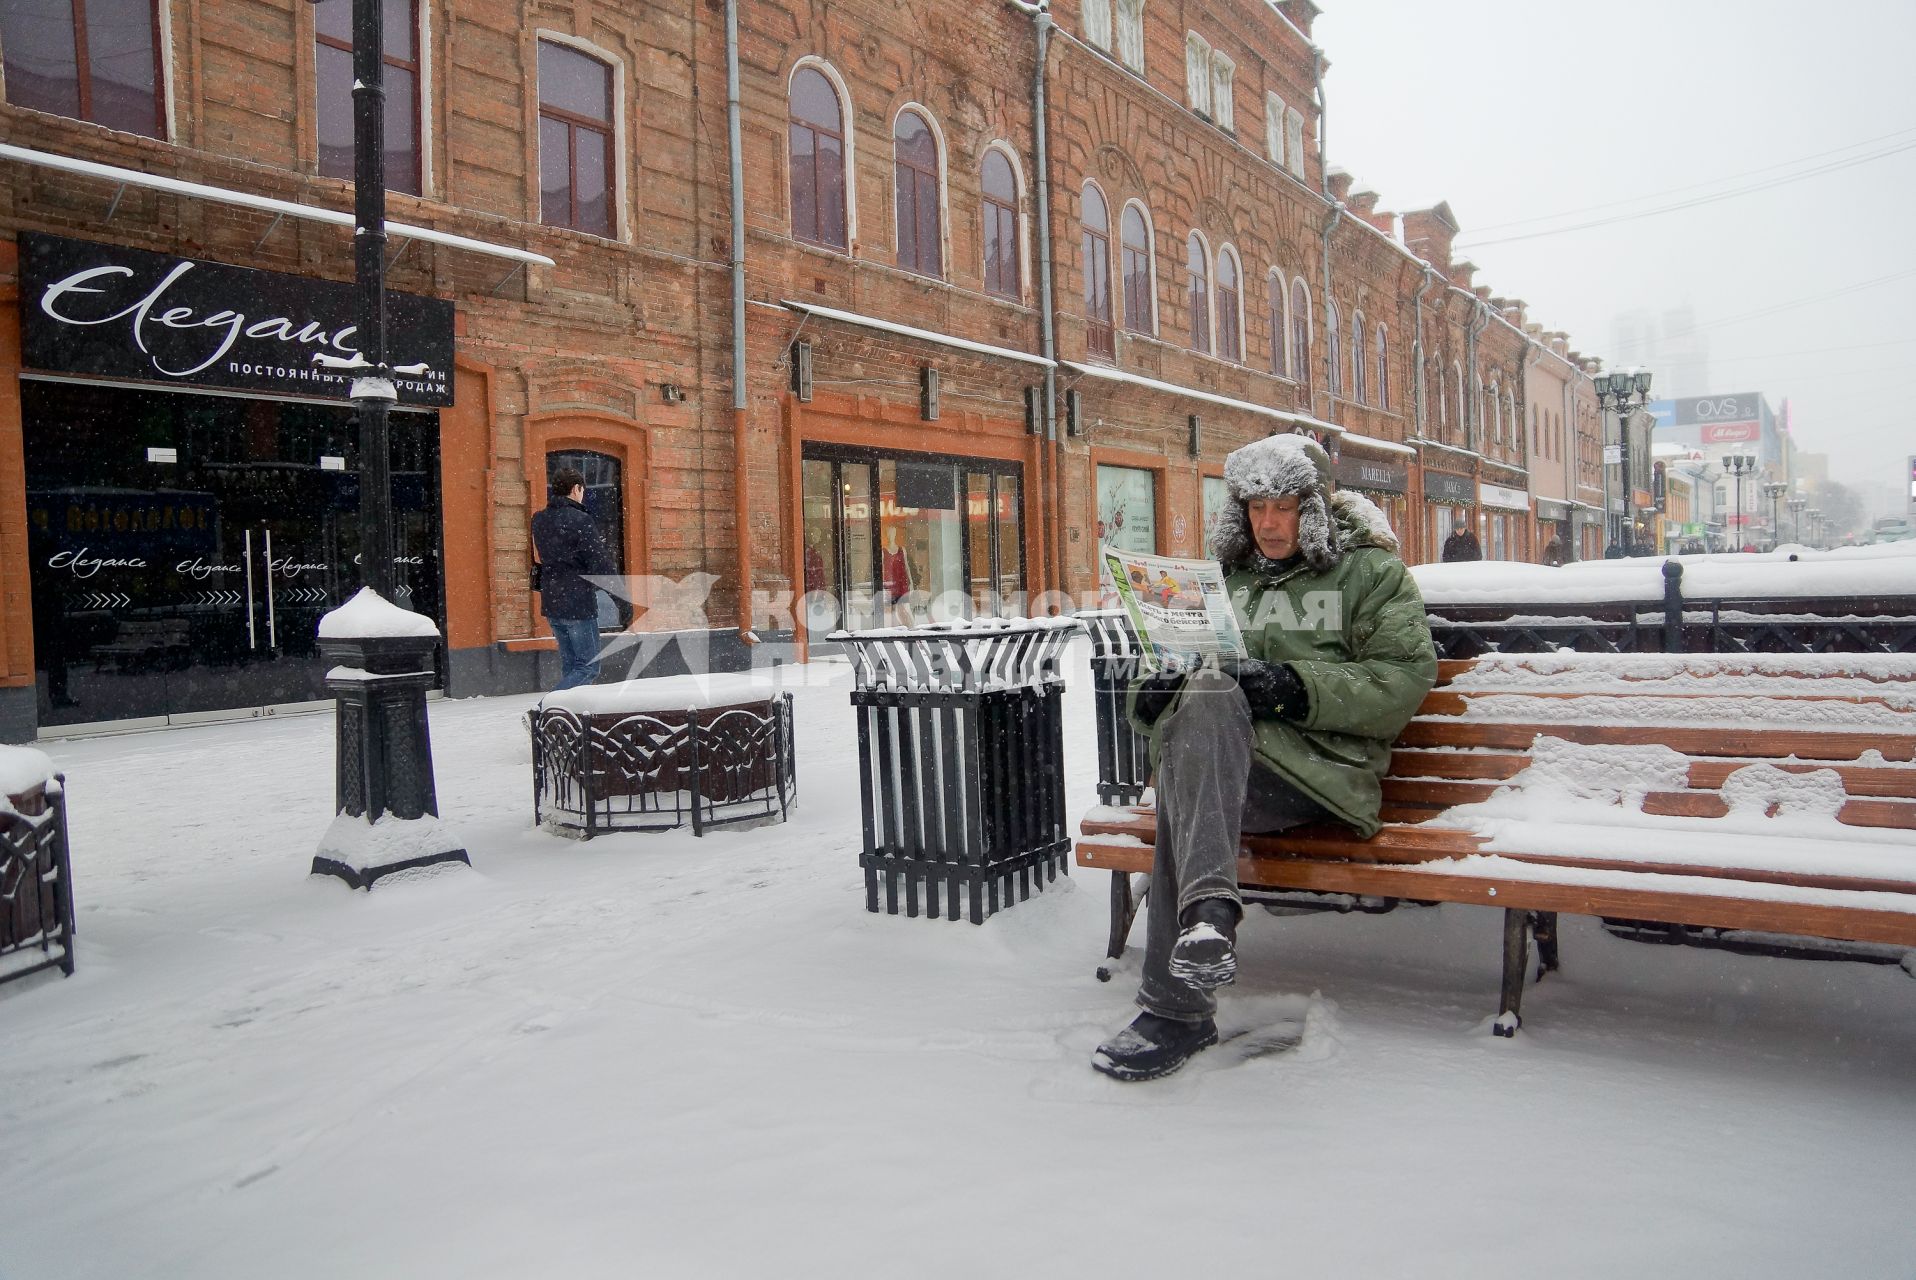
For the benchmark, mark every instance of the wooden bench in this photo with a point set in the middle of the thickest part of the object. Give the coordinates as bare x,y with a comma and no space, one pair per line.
1496,796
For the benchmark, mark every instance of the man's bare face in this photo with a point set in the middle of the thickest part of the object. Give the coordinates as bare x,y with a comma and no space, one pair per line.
1274,525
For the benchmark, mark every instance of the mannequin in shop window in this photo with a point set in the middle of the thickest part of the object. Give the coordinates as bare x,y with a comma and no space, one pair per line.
896,570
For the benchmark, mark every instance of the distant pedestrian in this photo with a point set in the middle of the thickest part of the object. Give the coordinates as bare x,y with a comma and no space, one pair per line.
570,550
1553,551
1462,544
1614,551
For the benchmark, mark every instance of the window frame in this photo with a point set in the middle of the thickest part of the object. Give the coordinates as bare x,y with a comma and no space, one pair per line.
1383,366
1234,311
614,131
1129,34
1303,332
83,77
1360,352
1274,108
1093,29
1334,355
986,203
1223,91
1200,309
1277,301
937,178
1100,338
1197,74
1149,328
847,141
1294,140
417,68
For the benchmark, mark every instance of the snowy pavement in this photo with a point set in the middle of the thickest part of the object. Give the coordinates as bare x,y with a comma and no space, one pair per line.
664,1056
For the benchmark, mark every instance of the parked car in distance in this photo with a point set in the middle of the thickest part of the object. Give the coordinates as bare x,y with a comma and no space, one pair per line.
1893,529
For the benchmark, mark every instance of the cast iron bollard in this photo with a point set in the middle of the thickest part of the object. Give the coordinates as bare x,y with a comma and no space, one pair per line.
1124,754
386,805
960,761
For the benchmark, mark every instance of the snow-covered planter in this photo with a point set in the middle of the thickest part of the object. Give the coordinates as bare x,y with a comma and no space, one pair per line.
36,898
651,755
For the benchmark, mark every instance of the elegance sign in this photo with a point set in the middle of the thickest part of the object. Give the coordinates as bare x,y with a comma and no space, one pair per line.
125,313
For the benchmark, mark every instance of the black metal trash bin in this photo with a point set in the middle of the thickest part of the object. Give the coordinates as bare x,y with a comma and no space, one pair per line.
1124,754
961,762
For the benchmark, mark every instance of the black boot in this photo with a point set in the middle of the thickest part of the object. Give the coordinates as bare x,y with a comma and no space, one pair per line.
1205,955
1152,1046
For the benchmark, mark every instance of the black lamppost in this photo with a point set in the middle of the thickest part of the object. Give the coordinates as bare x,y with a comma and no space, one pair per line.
1816,527
1740,465
1774,491
1796,506
386,816
1624,390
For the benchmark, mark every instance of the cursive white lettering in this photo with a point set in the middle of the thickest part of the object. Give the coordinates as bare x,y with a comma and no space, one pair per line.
82,565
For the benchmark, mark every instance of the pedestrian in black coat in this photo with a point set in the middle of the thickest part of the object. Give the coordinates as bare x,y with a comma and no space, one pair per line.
1462,544
571,550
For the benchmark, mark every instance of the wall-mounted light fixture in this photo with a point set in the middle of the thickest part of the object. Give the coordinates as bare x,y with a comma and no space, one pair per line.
802,371
928,393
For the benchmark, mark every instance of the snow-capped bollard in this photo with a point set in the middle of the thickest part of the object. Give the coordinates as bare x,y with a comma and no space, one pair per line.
386,806
961,761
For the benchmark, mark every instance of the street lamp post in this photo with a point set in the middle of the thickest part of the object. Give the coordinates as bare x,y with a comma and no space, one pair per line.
1816,527
1625,390
386,805
1774,491
1740,465
1796,506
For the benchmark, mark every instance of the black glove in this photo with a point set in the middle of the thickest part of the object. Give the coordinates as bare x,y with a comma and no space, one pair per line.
1155,694
1273,689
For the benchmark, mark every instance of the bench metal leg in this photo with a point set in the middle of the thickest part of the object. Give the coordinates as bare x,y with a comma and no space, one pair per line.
1516,960
1543,927
1124,910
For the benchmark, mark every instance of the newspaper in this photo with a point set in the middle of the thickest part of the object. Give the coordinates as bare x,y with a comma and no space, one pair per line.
1179,608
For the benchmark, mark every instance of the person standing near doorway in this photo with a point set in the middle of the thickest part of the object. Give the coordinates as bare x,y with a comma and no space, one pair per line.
570,551
1462,544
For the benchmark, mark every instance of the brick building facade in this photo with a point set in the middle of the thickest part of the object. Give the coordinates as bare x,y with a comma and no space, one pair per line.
913,419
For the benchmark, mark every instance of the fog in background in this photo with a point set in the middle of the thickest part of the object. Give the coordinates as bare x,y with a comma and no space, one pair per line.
1514,110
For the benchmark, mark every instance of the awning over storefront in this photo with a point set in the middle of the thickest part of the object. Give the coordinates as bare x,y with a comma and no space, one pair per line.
922,335
1171,388
1496,495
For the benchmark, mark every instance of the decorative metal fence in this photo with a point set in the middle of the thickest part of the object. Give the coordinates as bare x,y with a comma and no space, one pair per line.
1124,754
961,763
36,885
656,770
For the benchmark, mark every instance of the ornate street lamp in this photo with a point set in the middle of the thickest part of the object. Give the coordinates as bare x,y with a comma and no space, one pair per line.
1740,465
1796,506
1624,390
386,805
1774,491
1816,527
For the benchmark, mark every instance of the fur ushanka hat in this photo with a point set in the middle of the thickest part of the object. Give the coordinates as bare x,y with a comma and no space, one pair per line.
1328,524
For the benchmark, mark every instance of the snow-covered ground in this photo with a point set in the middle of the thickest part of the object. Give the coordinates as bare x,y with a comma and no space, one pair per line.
663,1056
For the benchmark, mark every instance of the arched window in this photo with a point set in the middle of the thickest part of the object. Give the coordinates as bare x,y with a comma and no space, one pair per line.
1463,405
1198,264
1002,261
1336,364
1483,412
605,502
1496,409
575,140
1274,303
1230,322
921,235
1140,290
1096,219
818,160
1300,330
1510,416
92,60
1359,354
1383,368
1443,397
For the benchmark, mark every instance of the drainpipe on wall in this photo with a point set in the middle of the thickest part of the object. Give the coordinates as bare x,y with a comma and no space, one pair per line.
1051,452
740,504
1330,223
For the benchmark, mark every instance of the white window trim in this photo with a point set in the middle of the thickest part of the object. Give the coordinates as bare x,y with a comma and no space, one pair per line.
1237,260
1274,128
1150,258
1130,34
1197,73
1091,29
1223,91
944,188
1294,140
850,135
1005,148
1302,376
1333,359
1382,343
1360,352
423,34
1210,289
621,227
1281,340
1113,229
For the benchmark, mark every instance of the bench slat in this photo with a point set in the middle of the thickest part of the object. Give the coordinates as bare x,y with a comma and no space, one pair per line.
1414,794
1708,910
1883,781
1725,740
1448,702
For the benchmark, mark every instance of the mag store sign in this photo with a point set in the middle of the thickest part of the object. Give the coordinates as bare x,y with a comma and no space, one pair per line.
124,313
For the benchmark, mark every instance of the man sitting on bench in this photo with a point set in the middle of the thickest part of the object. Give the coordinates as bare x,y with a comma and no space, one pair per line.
1339,658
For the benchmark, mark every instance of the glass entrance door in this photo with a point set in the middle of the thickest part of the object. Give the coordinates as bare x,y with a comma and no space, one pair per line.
184,547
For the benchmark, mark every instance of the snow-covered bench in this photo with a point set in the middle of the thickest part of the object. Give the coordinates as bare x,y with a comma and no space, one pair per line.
1747,797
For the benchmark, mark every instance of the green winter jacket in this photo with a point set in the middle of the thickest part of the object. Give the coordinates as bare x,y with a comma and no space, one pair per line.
1356,635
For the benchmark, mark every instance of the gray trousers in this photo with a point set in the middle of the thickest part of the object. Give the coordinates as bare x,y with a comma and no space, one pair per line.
1210,791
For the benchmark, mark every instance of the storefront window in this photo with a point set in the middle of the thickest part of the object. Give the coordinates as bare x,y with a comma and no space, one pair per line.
821,529
1128,509
1440,517
1010,535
